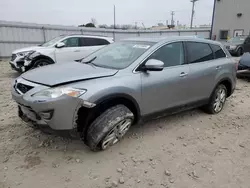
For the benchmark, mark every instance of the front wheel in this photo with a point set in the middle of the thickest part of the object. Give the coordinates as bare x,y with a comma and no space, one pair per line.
41,63
239,52
217,100
109,128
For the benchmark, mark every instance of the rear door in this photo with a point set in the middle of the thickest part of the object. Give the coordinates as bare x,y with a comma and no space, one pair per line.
70,52
203,70
90,45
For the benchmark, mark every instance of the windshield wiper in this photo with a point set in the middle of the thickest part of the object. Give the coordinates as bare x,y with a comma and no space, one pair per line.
87,62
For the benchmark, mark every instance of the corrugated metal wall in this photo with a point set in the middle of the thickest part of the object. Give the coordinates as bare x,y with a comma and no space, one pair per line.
14,35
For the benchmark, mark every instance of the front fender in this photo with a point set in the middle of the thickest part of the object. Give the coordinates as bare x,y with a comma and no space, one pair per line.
115,92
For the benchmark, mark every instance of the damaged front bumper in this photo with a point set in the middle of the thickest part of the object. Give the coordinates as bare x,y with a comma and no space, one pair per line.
17,64
59,113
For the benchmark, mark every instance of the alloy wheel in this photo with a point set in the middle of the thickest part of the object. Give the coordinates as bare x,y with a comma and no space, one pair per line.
219,100
116,134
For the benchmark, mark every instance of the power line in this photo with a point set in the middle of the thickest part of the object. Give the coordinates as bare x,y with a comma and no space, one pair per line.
192,15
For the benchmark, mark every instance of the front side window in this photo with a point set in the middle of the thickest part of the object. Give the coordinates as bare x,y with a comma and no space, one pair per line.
170,54
218,52
118,55
199,52
71,42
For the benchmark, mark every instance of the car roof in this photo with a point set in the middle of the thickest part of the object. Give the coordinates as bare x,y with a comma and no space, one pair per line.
172,38
82,35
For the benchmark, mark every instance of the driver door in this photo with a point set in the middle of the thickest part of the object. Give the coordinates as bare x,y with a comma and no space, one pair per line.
70,52
168,88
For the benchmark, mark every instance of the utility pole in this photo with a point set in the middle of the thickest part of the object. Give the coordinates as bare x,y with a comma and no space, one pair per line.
172,20
114,25
114,16
192,15
143,25
211,32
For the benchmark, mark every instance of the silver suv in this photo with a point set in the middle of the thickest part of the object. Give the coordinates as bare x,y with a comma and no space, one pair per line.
125,82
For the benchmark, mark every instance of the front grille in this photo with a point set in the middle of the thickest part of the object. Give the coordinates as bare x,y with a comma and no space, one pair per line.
13,57
23,88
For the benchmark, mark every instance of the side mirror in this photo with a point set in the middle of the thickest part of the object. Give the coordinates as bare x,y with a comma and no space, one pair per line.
60,45
153,65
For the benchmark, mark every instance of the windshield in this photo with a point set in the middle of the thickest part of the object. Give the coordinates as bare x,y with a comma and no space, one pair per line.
118,55
237,39
52,42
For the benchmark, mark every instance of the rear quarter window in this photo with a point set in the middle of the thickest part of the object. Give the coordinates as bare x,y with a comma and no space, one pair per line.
218,51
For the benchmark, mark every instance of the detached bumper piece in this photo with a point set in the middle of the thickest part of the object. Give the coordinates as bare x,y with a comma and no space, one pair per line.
27,114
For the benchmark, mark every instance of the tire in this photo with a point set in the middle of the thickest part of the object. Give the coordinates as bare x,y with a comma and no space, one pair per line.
216,102
109,128
239,52
41,63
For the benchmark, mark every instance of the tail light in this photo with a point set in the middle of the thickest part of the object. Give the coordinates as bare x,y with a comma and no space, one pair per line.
236,62
236,65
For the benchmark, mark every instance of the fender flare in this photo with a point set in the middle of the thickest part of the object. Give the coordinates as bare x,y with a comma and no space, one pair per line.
120,95
219,82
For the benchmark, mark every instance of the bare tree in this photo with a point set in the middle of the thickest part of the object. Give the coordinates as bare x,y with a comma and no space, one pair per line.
93,21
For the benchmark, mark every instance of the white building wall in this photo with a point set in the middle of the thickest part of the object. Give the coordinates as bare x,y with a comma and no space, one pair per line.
225,17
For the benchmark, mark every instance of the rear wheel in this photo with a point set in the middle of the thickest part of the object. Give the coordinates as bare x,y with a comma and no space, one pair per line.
109,128
217,100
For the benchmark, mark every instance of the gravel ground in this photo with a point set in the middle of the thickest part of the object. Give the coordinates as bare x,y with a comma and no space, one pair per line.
190,149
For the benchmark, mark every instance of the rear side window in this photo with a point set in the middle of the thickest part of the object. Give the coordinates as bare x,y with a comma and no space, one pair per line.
93,42
218,52
199,52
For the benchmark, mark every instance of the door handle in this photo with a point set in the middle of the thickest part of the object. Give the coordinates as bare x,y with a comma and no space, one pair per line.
183,74
218,67
77,51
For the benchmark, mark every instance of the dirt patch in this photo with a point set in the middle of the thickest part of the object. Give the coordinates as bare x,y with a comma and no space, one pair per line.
31,161
190,149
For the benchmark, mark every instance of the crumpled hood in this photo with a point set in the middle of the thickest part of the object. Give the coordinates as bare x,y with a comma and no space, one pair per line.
31,48
52,75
